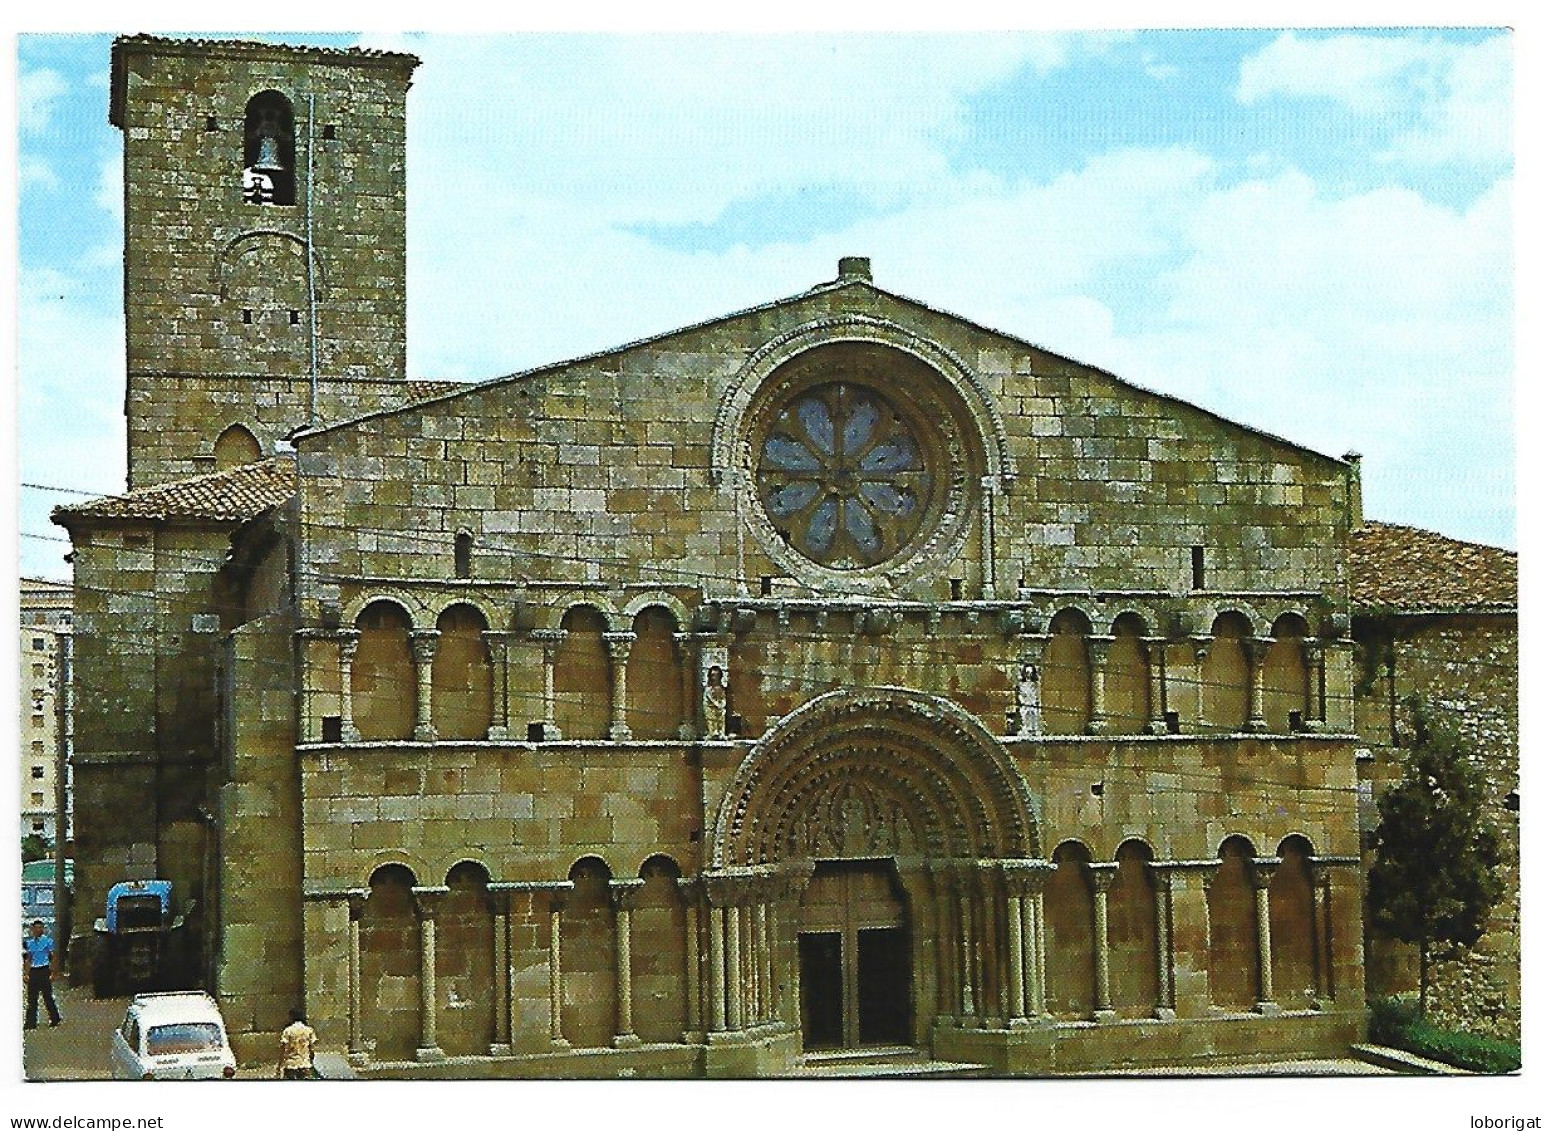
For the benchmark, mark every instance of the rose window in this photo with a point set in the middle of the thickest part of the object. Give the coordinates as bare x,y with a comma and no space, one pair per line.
842,477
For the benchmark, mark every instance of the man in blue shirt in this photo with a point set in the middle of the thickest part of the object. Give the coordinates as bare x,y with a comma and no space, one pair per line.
37,959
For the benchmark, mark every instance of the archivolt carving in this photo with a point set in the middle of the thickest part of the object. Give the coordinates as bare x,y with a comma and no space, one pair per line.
875,772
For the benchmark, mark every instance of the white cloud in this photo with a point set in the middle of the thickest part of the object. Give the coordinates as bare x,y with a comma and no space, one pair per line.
976,246
35,172
625,124
1378,321
1459,94
69,404
109,191
38,91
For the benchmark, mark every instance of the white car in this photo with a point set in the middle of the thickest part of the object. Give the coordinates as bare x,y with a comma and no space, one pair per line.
172,1036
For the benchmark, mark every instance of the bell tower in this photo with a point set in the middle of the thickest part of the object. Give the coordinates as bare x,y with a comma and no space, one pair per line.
263,244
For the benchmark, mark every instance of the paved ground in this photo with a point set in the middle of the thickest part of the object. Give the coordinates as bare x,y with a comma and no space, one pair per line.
78,1049
1333,1067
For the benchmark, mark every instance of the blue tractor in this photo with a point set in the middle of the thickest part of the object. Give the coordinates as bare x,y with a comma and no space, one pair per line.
139,940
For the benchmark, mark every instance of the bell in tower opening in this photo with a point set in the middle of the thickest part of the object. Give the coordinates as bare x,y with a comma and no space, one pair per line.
269,150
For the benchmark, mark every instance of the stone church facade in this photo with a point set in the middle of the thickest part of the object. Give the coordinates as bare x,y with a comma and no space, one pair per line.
835,675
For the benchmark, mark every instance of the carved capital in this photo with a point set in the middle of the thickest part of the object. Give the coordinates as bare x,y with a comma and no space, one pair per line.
1262,868
422,641
349,640
496,639
722,889
624,894
619,645
1103,873
1026,877
549,639
426,900
1098,650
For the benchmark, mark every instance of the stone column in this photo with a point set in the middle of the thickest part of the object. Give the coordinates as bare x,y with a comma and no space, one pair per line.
355,1047
423,644
1259,648
1155,655
988,536
1324,979
501,898
425,901
557,900
618,644
1314,687
1098,661
718,968
1017,977
349,641
500,682
623,894
549,642
1026,918
763,979
963,889
1103,874
1203,645
1260,874
1015,972
729,985
735,986
689,892
1163,886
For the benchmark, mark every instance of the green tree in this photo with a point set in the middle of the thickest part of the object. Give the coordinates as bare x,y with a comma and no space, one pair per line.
34,847
1435,877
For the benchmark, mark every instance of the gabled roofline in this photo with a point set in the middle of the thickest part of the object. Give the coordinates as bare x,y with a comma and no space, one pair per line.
242,49
823,288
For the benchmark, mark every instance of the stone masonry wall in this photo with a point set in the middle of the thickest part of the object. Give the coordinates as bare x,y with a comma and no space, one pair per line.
600,469
147,646
1466,667
259,959
215,286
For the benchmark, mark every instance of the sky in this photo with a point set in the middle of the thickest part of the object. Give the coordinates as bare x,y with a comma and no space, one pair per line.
1306,231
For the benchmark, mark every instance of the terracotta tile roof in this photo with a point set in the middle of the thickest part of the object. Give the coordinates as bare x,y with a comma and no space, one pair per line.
234,495
1408,569
425,390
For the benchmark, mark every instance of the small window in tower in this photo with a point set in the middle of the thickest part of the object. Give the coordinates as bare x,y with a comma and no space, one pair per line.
329,133
37,771
212,125
463,554
269,150
1198,567
247,316
296,317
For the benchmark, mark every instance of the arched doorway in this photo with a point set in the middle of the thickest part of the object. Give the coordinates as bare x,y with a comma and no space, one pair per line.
898,823
853,950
